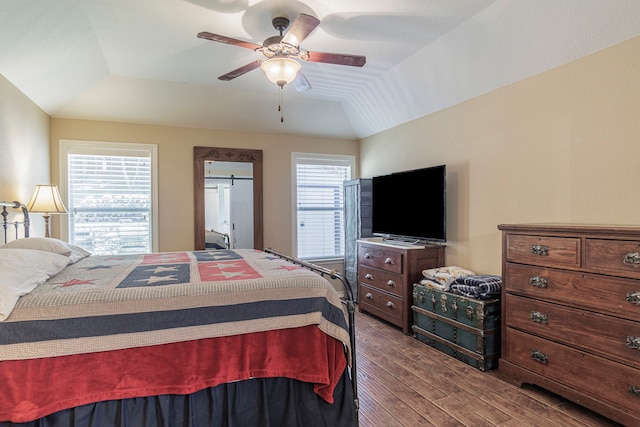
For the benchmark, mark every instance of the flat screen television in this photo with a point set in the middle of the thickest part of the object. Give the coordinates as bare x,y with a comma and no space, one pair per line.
410,205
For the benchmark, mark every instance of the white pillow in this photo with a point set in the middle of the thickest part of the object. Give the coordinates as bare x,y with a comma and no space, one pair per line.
40,244
21,270
77,253
48,244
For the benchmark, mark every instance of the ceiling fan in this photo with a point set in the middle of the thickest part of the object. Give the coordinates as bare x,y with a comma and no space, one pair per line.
280,67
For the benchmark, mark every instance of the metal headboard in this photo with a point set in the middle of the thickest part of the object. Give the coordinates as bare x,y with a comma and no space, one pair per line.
14,224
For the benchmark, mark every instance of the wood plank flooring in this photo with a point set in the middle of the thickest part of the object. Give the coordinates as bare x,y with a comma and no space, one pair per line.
404,382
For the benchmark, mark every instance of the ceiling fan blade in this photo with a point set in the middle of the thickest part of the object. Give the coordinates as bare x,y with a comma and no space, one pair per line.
301,83
228,40
337,58
240,71
300,29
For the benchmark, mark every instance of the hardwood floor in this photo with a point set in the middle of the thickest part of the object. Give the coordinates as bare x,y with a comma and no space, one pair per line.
404,382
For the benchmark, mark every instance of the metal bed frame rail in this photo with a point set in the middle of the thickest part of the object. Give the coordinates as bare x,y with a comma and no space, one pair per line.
351,307
16,224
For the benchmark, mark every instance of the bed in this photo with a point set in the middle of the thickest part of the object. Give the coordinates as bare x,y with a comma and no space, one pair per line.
202,338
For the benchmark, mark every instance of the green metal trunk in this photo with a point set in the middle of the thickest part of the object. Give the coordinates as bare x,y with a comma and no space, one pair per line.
466,328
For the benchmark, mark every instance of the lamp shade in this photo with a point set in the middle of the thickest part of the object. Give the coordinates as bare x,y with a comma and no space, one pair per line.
280,70
46,199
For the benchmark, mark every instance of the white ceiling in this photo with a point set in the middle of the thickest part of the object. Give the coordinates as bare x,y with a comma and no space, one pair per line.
140,60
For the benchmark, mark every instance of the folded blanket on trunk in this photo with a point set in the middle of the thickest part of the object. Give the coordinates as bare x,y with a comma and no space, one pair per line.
480,287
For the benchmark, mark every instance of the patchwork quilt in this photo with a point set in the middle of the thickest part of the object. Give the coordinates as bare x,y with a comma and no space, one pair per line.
167,297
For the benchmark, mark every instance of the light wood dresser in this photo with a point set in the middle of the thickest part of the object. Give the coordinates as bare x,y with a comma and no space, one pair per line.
571,314
386,274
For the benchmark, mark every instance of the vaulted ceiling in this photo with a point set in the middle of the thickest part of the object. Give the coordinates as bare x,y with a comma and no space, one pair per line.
140,60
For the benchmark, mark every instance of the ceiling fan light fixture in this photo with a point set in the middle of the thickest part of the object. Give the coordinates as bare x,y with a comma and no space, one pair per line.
281,70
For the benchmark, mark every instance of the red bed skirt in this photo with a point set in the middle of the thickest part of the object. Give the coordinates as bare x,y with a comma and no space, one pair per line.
38,387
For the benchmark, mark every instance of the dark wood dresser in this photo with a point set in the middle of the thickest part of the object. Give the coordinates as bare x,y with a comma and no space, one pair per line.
386,274
571,314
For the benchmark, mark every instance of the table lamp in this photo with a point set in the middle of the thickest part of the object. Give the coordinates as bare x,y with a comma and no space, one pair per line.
46,199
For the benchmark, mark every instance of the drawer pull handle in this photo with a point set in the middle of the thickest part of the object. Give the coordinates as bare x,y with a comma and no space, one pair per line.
368,255
538,282
369,295
538,317
633,342
539,356
541,250
633,297
390,304
368,276
389,261
391,283
632,258
634,390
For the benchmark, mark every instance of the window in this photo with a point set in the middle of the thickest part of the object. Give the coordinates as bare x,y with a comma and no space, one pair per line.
319,204
111,196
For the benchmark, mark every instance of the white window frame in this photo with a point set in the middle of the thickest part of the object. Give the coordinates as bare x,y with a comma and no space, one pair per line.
318,158
110,149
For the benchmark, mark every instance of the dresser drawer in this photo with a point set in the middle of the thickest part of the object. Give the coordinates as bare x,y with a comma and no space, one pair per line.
381,304
610,295
607,336
379,258
619,257
593,375
541,250
382,280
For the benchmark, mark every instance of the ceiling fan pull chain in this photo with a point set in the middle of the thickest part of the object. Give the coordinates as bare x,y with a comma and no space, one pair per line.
280,106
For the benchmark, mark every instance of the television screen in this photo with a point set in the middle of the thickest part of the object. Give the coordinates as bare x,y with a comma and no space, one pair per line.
410,205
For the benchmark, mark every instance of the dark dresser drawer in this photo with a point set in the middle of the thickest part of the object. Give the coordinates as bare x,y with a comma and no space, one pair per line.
619,257
380,258
382,304
382,280
577,369
578,289
543,250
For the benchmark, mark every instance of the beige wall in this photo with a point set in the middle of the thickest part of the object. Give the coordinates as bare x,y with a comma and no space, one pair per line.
563,146
175,166
24,148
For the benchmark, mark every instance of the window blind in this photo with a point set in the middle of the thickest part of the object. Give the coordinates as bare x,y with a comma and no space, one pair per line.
320,206
109,202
